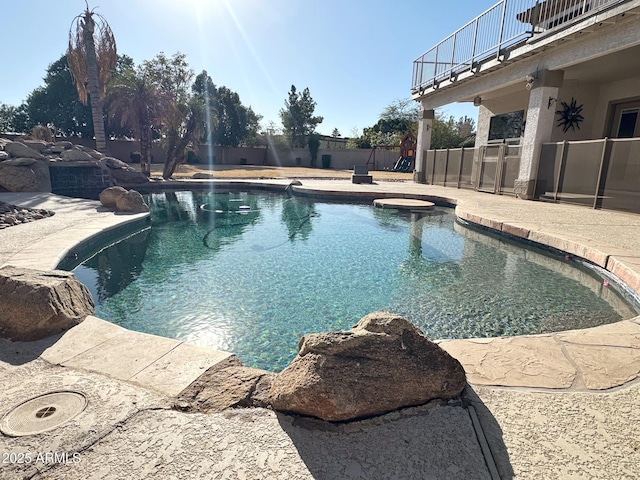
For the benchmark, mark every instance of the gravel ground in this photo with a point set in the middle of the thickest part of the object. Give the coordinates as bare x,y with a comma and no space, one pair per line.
260,171
13,215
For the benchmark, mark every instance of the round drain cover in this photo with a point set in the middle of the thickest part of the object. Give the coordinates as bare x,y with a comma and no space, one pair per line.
42,413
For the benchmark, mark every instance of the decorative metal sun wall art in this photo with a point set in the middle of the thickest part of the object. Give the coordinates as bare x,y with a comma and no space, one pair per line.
570,115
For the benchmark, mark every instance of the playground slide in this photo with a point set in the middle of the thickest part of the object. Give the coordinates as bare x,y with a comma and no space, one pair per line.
403,164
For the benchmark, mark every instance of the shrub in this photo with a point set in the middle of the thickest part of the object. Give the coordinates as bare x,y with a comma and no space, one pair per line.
40,132
134,157
314,146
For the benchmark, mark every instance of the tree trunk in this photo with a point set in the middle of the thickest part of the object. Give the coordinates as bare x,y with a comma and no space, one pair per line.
175,151
94,89
175,156
145,151
169,168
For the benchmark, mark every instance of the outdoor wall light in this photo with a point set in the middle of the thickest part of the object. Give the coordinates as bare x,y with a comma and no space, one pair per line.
530,79
477,101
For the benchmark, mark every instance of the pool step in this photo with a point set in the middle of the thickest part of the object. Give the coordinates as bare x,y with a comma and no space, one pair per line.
404,204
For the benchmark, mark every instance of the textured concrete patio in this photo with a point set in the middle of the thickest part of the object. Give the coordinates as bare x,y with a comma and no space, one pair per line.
561,405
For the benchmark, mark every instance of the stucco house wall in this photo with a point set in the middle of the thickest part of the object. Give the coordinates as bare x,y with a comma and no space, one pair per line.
587,95
597,102
584,94
615,92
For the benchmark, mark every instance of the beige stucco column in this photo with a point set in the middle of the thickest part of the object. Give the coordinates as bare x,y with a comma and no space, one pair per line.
539,125
425,127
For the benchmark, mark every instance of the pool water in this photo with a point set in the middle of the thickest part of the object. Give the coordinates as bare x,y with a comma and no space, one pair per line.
252,274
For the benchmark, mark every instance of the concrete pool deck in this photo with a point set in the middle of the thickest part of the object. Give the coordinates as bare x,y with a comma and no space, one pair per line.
561,405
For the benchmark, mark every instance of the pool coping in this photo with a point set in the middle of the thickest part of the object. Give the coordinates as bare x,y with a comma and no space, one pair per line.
594,360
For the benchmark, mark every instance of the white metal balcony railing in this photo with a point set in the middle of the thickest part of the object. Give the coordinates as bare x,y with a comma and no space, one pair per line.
504,26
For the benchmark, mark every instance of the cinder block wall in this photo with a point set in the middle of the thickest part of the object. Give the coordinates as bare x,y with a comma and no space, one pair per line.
341,158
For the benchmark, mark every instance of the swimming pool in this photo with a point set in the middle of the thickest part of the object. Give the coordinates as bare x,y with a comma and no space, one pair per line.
252,273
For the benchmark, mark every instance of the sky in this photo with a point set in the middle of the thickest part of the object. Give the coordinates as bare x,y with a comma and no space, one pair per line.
355,56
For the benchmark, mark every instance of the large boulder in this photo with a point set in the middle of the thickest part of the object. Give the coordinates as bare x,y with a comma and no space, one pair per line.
43,175
128,177
20,162
36,304
121,173
93,153
36,145
114,163
110,195
64,144
25,175
17,149
203,176
17,178
123,200
56,149
382,364
75,154
131,202
228,384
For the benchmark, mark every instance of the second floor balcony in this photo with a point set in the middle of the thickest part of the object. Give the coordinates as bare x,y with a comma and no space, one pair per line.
497,33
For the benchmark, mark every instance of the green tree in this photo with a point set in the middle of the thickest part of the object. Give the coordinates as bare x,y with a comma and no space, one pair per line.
186,126
359,142
182,122
253,127
449,133
172,74
235,124
466,126
401,117
396,120
271,137
13,119
335,133
204,86
232,118
56,103
92,58
21,122
297,116
137,102
188,121
384,132
401,109
7,113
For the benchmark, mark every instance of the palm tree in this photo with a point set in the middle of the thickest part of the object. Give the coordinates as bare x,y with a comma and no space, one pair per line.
92,58
138,103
